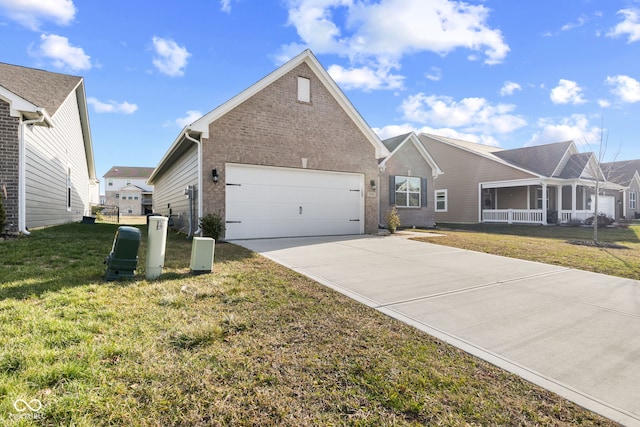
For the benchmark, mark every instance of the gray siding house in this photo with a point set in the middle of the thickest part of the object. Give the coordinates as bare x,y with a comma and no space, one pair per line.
289,156
126,188
47,172
551,183
407,180
626,173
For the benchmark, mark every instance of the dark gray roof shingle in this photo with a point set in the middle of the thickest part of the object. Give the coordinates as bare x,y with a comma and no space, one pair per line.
129,172
621,172
575,166
540,159
393,143
43,89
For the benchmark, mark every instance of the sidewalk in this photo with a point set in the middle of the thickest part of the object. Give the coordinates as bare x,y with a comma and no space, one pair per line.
573,332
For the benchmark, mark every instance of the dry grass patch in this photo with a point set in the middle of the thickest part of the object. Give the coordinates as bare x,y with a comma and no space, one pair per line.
251,344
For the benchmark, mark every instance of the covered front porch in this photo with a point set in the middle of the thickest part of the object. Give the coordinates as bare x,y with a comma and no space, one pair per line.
536,201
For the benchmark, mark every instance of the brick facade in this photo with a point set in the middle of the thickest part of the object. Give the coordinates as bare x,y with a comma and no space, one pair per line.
9,164
273,128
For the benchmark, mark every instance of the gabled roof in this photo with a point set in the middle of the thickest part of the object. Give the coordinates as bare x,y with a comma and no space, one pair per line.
202,124
134,172
38,94
395,144
540,159
621,172
467,145
43,89
200,128
576,166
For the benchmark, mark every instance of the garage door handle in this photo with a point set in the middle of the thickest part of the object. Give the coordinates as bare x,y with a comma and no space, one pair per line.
300,210
354,220
233,222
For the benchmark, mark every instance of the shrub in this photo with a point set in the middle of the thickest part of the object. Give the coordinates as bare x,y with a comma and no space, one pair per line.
212,225
3,216
603,220
393,220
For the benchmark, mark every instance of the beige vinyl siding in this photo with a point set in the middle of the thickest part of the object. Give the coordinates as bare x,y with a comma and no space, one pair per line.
463,172
169,188
49,153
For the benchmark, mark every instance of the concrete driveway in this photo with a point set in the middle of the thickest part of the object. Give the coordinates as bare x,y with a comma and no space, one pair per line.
571,332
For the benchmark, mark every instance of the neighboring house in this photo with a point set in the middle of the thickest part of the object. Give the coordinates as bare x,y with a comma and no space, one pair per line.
47,171
552,183
627,175
289,156
126,187
407,181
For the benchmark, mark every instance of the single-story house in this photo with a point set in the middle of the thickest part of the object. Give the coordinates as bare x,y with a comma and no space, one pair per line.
407,178
552,183
288,156
47,171
626,173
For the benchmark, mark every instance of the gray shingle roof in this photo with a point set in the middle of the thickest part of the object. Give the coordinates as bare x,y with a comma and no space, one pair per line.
541,159
393,143
129,172
41,88
575,166
621,172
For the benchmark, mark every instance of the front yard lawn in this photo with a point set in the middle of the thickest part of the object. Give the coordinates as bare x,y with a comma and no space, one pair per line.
551,245
251,344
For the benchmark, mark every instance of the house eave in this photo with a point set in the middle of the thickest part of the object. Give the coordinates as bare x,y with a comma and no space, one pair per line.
412,137
202,124
179,146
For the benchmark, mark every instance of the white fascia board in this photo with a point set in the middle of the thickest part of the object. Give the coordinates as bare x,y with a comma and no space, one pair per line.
492,158
571,150
17,105
511,183
435,169
180,139
202,124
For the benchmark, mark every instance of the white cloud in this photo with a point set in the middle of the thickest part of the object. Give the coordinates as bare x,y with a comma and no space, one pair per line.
576,128
571,25
63,54
170,59
630,26
192,116
508,88
626,88
434,74
567,92
378,34
112,106
225,5
604,103
365,78
32,14
471,114
394,130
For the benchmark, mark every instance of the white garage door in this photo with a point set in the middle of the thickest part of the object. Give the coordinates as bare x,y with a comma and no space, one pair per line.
266,202
607,205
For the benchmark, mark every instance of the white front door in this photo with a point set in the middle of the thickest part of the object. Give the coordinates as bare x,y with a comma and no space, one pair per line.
264,201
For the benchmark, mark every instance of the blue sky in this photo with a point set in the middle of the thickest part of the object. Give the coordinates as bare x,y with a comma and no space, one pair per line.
500,72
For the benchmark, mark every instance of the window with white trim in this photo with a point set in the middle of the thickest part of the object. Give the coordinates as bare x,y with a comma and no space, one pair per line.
408,192
441,201
632,200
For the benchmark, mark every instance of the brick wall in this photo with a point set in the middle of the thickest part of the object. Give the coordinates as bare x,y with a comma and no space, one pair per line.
273,129
9,150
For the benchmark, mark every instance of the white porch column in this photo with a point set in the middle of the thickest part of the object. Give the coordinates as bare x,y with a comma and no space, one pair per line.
574,202
544,203
559,189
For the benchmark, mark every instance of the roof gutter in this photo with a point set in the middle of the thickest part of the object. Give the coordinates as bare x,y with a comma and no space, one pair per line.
185,132
22,184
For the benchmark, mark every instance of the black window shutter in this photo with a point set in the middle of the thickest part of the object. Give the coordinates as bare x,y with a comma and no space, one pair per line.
423,191
392,190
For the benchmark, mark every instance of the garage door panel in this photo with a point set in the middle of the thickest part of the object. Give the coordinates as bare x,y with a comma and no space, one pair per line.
279,202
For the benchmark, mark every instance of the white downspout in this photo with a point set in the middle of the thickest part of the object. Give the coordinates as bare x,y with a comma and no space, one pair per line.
186,135
22,184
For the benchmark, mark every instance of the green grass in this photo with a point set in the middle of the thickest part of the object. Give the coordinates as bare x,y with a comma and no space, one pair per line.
251,344
551,245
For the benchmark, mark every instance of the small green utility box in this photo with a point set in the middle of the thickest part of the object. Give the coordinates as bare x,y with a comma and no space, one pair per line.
123,259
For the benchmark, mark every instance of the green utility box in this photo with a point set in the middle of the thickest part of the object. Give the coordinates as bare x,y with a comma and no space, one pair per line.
123,259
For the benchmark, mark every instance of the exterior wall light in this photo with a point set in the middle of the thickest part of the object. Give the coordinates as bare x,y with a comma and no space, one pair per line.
214,175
